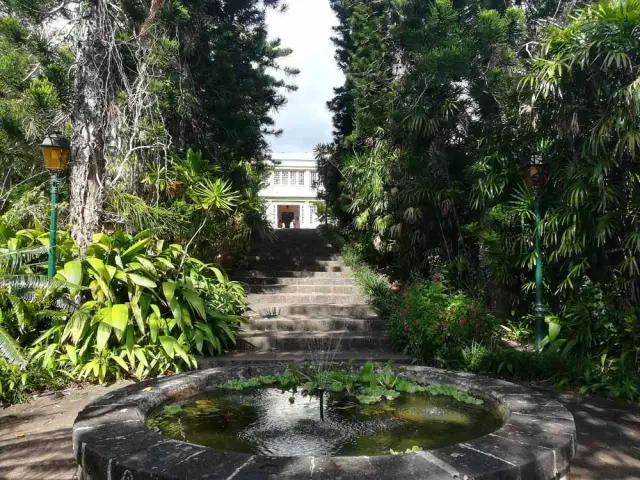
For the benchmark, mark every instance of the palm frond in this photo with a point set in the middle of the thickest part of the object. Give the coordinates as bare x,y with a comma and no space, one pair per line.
9,348
13,261
34,282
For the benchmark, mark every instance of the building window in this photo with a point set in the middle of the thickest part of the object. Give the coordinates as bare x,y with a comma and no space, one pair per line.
314,214
301,178
314,179
277,177
302,214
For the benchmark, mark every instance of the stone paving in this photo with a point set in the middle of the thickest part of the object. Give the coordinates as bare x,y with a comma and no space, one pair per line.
35,438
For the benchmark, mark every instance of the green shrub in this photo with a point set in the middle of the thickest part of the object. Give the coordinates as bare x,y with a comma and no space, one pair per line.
16,383
602,376
431,321
132,306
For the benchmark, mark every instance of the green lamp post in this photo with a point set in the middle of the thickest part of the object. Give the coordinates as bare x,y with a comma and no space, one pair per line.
535,177
55,150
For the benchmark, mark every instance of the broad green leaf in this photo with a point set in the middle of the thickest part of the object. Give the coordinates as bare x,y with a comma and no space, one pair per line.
137,314
169,290
72,272
554,330
104,332
102,238
120,361
140,355
111,272
71,353
164,262
181,353
154,327
120,316
167,343
147,265
129,343
135,248
197,303
98,266
102,316
141,280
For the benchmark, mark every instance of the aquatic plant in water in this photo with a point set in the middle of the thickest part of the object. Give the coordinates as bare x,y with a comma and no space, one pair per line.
368,385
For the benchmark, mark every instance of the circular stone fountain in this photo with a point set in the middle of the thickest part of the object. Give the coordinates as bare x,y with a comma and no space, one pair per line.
523,434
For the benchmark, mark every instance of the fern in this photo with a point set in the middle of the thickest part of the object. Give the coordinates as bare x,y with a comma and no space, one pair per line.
13,261
34,282
9,348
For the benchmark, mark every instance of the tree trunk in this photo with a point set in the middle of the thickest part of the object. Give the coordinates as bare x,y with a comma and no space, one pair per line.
88,119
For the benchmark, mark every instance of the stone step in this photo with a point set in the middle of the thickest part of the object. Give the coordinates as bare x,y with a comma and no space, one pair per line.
257,299
333,266
282,261
346,289
323,323
329,341
278,281
349,311
244,274
300,356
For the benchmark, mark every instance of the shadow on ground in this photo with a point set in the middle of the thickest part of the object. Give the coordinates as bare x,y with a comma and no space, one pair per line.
608,437
35,438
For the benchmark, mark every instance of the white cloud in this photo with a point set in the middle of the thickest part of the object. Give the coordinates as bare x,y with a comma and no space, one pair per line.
306,29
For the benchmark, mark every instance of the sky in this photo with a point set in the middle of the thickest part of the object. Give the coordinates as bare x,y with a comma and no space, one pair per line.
306,28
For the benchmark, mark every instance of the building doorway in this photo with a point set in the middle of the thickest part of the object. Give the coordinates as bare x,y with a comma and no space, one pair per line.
288,216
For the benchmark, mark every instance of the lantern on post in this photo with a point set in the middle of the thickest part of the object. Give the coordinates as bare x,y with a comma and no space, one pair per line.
536,177
55,151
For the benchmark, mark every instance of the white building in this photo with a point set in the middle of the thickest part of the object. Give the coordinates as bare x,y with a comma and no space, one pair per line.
292,191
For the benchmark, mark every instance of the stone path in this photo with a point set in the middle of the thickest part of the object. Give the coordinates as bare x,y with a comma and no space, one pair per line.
608,437
35,438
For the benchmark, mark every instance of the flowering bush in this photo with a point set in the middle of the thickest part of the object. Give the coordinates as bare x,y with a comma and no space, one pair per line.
431,320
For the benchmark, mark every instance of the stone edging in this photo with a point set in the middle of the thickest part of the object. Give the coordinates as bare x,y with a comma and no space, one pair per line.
111,440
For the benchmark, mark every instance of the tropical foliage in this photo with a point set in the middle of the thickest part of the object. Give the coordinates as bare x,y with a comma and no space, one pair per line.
132,306
432,128
369,384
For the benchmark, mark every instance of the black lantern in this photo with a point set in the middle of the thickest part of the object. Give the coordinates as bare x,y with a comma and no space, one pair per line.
535,172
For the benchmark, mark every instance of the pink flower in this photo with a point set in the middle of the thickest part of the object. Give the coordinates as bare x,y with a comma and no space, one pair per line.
451,312
435,327
477,325
461,323
445,325
406,328
436,279
404,311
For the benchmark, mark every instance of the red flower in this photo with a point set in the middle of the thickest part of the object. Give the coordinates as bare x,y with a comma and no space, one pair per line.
435,327
477,325
415,323
445,325
436,279
451,312
406,328
404,311
461,323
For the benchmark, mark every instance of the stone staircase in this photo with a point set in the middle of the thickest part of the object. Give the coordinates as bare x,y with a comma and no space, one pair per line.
304,304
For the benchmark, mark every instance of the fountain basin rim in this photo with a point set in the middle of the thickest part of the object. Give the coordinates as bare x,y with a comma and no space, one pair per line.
111,439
